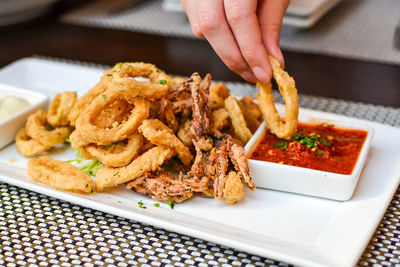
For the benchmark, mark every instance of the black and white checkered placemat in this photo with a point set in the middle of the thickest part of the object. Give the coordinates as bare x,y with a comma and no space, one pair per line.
39,230
355,29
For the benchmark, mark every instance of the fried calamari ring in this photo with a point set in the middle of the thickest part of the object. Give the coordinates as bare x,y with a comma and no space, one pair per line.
92,133
218,93
122,75
232,105
287,87
36,128
59,174
27,146
151,160
85,101
60,108
115,155
159,134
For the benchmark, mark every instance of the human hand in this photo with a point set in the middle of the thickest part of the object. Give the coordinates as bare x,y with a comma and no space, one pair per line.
242,32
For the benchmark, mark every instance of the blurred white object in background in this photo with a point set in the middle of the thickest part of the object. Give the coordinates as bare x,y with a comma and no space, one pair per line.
300,13
14,11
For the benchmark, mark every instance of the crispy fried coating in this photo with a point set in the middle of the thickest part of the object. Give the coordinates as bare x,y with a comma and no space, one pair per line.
59,174
237,154
85,101
185,134
27,146
150,160
167,115
287,87
93,133
234,190
36,127
201,105
221,165
218,93
159,134
198,179
116,154
219,119
232,105
160,186
122,76
60,108
251,113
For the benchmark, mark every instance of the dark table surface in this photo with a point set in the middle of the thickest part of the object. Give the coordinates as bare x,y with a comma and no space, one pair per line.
373,83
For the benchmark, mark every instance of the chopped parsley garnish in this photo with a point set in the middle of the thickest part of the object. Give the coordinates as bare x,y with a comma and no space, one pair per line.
158,70
214,102
282,144
126,118
141,205
156,205
119,201
88,166
104,96
171,204
162,82
320,152
158,173
109,74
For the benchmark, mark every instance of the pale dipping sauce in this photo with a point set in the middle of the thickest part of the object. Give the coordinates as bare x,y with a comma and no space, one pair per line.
10,105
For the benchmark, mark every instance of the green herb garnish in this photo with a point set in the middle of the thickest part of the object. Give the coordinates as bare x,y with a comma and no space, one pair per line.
282,144
141,205
320,152
104,96
162,82
156,205
88,166
126,118
171,204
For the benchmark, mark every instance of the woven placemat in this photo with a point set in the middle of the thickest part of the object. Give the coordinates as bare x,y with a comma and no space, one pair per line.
40,230
356,29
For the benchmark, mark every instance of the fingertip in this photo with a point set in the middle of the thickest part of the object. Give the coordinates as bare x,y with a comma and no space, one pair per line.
262,74
248,76
276,52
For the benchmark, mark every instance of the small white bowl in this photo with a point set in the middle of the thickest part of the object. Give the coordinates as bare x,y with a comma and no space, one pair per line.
10,126
270,175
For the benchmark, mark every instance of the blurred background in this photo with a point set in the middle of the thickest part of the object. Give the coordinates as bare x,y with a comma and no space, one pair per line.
347,49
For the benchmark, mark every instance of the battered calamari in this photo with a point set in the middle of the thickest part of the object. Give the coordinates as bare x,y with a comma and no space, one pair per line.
59,174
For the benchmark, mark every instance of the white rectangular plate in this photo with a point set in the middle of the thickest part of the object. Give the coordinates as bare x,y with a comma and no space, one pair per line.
288,227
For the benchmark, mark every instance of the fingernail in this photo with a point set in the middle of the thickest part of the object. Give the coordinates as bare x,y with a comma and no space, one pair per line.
261,74
248,76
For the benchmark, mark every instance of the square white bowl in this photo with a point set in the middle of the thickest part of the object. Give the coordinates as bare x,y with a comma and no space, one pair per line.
270,175
10,126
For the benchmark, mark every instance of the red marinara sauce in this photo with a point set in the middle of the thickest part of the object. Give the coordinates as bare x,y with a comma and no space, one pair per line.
316,146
